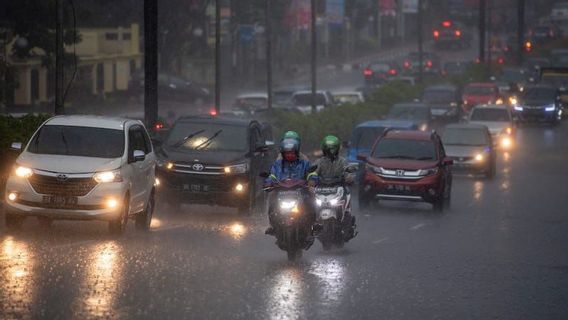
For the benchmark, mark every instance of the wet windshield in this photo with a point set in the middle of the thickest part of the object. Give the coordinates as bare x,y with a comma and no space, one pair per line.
78,141
465,137
405,149
539,94
402,112
208,137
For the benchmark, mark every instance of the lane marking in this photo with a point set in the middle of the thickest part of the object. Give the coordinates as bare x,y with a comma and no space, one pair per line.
418,226
380,240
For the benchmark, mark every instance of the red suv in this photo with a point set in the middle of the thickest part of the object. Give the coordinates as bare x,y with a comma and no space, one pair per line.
407,165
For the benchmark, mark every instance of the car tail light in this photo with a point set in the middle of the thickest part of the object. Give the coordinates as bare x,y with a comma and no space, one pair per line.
407,64
429,63
458,33
158,126
392,72
367,72
436,34
500,61
477,60
213,112
528,46
447,23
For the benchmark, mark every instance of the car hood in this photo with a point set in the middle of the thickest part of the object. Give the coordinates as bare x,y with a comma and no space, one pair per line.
494,127
402,164
537,102
67,164
463,151
206,157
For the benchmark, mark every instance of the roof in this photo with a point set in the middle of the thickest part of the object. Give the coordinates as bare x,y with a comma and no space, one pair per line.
466,126
90,121
409,135
397,124
216,119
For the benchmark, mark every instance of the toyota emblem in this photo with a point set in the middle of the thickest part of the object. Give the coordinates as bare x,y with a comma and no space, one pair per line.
400,173
62,177
198,167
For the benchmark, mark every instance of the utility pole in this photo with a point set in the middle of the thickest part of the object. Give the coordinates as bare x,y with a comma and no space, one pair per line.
151,62
268,35
314,55
481,31
217,56
420,43
59,72
489,27
520,30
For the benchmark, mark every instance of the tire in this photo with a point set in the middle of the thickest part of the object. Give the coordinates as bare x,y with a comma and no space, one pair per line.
144,218
14,222
118,226
45,223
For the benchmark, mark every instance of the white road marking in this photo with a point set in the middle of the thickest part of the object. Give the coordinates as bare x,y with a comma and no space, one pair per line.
380,240
418,226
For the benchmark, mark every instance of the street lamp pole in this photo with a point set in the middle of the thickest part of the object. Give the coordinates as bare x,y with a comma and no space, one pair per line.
268,35
59,109
151,62
420,43
314,54
217,56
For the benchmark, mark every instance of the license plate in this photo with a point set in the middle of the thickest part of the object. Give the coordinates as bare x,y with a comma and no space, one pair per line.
60,201
196,187
398,187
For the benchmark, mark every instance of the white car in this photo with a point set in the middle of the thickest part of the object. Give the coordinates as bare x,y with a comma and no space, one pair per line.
348,97
84,168
302,101
498,119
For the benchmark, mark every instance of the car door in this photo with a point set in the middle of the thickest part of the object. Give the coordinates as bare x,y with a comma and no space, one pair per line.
139,169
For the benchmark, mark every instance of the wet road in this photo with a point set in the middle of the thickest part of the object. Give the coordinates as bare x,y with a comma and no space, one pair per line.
498,253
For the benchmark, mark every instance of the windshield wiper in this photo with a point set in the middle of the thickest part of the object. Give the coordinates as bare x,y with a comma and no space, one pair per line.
207,142
184,140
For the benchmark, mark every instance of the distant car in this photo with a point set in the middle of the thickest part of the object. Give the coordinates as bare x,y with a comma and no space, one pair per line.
539,103
499,120
511,79
408,166
451,34
250,103
443,100
411,81
215,161
379,71
471,148
348,97
283,95
535,63
302,101
430,63
84,168
418,113
171,87
456,68
480,93
559,11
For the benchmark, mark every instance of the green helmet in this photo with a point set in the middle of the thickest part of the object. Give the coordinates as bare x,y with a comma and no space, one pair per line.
330,146
292,135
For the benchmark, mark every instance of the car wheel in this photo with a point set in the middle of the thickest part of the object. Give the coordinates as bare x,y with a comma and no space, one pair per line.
13,222
45,223
144,218
117,226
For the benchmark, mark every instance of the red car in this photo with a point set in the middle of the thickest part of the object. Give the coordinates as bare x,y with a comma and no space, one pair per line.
480,93
407,165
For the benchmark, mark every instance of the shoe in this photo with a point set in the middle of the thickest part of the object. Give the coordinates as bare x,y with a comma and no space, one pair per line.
269,231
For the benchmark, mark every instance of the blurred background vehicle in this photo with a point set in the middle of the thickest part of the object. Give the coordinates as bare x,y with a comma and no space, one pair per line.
471,148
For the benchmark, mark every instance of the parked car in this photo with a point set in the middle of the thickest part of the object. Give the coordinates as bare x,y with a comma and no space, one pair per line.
444,101
539,103
430,63
215,161
471,148
379,71
84,168
171,87
499,120
411,81
302,101
418,113
407,165
480,93
450,34
348,97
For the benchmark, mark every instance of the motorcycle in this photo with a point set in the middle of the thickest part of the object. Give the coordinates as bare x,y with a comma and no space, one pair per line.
289,214
333,203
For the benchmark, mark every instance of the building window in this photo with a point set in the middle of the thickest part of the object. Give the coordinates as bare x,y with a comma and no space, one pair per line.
111,36
126,36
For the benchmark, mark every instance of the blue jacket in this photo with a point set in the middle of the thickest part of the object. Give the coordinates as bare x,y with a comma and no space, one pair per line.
282,170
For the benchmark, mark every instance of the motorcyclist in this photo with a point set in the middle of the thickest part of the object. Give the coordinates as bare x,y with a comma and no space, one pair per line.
332,165
294,135
290,166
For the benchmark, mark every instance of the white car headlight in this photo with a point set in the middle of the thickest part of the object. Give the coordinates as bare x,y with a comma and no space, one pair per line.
23,172
427,172
550,108
334,202
518,108
237,169
107,176
423,127
479,157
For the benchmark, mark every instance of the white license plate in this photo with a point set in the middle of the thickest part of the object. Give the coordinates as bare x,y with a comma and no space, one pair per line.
398,187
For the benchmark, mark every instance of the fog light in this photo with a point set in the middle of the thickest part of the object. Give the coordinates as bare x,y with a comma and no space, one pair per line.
239,187
12,196
112,203
156,182
169,166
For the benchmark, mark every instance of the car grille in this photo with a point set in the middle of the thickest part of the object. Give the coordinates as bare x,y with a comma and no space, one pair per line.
75,187
462,159
196,184
197,168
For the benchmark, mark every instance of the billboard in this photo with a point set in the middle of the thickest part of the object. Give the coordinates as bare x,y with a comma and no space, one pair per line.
335,10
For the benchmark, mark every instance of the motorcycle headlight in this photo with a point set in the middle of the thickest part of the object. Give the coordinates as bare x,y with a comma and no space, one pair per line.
288,204
23,172
423,127
319,202
427,172
518,108
237,169
513,101
107,176
334,202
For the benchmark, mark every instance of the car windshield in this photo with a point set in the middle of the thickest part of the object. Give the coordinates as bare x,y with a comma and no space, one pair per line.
347,98
539,93
364,138
465,137
78,141
305,99
438,96
208,137
479,90
402,112
405,149
251,102
490,114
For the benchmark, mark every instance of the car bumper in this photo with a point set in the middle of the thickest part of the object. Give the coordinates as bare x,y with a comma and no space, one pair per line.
537,115
426,189
469,166
93,206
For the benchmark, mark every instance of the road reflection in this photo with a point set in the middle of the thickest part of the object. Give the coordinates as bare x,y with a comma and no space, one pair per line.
287,295
477,190
237,230
102,280
331,275
17,282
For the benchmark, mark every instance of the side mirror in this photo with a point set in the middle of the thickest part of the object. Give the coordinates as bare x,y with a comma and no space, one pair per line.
139,155
16,146
448,162
264,175
362,157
